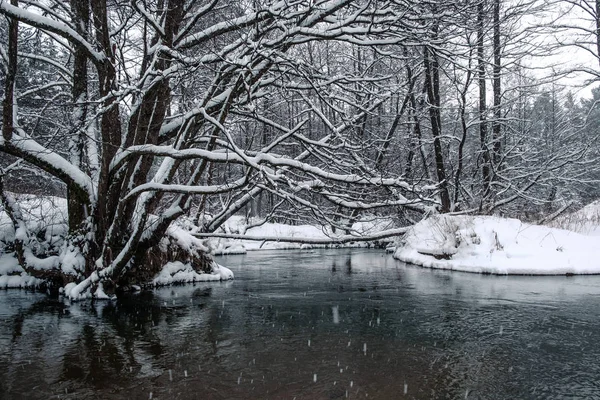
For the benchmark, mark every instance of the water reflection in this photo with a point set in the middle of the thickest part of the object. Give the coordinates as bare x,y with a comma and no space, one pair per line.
313,325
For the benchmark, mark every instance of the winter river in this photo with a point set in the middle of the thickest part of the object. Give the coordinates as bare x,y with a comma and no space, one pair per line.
323,324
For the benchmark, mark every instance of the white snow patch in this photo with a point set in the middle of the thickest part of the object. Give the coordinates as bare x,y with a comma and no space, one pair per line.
39,263
9,265
178,272
239,225
72,261
99,294
18,281
185,240
68,289
223,247
498,246
12,274
82,290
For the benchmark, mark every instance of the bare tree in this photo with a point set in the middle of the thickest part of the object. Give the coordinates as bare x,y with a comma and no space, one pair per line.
159,91
151,110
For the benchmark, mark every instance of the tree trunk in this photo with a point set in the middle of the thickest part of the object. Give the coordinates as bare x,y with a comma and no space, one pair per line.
463,124
8,103
598,30
497,124
485,168
79,206
432,83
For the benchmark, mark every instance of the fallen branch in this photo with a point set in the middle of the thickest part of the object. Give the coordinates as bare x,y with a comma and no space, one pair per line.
291,239
555,214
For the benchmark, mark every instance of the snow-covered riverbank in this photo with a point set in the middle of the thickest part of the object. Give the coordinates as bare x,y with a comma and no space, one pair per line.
46,220
496,245
289,237
480,244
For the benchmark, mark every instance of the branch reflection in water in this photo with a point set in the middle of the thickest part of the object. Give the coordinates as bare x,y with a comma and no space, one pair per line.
377,328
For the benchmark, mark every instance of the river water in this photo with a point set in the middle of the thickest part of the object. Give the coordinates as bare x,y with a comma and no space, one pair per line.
322,324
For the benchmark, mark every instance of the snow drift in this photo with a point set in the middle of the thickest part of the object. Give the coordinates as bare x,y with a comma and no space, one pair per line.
493,245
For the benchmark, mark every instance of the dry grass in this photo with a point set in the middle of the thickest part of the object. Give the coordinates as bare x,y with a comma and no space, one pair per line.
584,221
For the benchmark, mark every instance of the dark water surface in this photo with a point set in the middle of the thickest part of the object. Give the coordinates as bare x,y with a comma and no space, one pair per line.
324,324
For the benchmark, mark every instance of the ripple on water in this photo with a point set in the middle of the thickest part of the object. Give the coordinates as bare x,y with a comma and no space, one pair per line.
396,330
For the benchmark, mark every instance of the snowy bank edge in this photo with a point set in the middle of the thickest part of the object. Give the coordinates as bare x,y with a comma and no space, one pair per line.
412,250
178,272
420,261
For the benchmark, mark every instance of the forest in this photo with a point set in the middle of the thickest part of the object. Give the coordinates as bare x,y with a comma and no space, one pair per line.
144,113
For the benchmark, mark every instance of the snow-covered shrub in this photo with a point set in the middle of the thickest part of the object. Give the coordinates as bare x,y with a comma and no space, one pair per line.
51,254
46,223
437,236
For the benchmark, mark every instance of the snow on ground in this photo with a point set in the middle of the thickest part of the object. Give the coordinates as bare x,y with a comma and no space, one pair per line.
228,246
238,225
46,220
178,272
498,246
585,221
462,243
12,275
